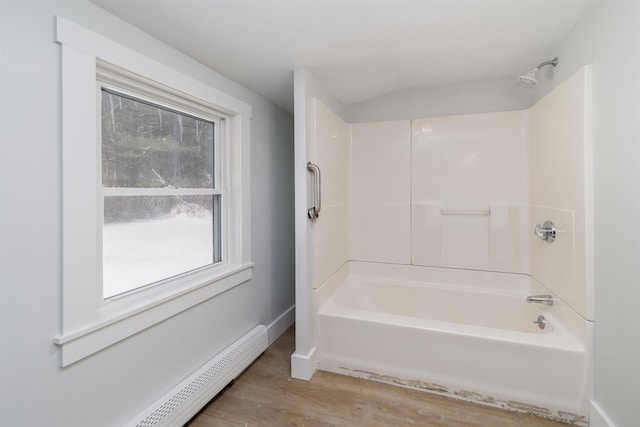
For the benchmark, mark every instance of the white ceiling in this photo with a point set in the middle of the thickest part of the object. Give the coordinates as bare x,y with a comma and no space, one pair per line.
359,49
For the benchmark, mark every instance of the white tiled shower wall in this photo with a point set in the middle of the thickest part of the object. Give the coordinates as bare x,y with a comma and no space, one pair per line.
380,192
463,191
469,176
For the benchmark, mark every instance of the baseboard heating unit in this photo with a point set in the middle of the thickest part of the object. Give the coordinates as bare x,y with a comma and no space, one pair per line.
184,401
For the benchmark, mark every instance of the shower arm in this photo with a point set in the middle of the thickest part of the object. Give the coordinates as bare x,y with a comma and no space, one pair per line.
553,62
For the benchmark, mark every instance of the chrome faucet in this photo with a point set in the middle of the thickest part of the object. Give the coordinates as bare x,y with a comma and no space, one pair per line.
541,299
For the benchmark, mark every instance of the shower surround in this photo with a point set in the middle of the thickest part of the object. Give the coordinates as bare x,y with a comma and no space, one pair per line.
458,195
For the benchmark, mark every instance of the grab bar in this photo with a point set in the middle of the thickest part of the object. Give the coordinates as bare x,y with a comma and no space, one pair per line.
314,211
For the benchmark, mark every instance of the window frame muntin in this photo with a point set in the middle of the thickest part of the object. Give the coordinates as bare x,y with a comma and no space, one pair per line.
87,328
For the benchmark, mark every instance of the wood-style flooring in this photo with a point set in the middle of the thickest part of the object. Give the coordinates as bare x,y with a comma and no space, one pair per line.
266,395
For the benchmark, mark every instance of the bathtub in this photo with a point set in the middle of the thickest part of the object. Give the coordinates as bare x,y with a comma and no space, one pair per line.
460,333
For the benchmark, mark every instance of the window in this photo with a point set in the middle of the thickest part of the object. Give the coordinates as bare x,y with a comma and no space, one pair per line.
160,188
155,192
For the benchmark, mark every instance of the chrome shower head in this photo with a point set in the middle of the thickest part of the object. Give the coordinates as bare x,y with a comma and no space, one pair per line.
530,77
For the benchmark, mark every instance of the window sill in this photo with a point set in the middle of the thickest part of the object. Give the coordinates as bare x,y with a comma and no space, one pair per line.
114,327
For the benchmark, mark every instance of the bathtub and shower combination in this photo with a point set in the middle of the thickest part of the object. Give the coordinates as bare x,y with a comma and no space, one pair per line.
477,303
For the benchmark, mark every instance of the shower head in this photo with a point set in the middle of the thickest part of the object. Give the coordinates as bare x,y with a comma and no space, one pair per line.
530,77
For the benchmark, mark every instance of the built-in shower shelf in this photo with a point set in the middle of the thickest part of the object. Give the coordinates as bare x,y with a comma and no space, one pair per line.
476,212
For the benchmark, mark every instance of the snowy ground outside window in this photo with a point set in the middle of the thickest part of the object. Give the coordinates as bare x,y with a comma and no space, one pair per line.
140,253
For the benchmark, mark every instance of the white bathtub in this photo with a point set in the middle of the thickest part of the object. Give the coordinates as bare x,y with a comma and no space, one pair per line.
467,334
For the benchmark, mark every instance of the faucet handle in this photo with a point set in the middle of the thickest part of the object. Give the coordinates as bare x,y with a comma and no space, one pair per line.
546,231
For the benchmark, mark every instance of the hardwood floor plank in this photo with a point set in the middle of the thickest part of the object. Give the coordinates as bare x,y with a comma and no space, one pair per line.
266,395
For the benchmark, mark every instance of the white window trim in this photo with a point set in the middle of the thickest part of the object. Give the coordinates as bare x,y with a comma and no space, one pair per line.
90,323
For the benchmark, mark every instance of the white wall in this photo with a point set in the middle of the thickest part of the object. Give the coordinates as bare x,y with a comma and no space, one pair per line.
331,141
561,188
307,89
380,192
112,386
468,191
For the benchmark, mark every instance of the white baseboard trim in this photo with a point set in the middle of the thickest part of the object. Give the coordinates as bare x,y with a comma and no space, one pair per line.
303,366
281,324
598,418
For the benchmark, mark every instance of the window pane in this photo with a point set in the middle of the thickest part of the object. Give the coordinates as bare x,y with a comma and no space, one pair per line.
150,238
148,146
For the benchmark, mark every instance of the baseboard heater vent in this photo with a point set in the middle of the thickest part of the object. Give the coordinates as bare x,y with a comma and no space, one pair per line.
185,400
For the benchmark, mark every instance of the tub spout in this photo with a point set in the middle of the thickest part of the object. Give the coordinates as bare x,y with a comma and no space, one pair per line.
541,299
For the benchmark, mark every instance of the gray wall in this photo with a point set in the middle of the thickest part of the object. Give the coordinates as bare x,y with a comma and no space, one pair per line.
609,38
480,96
114,385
